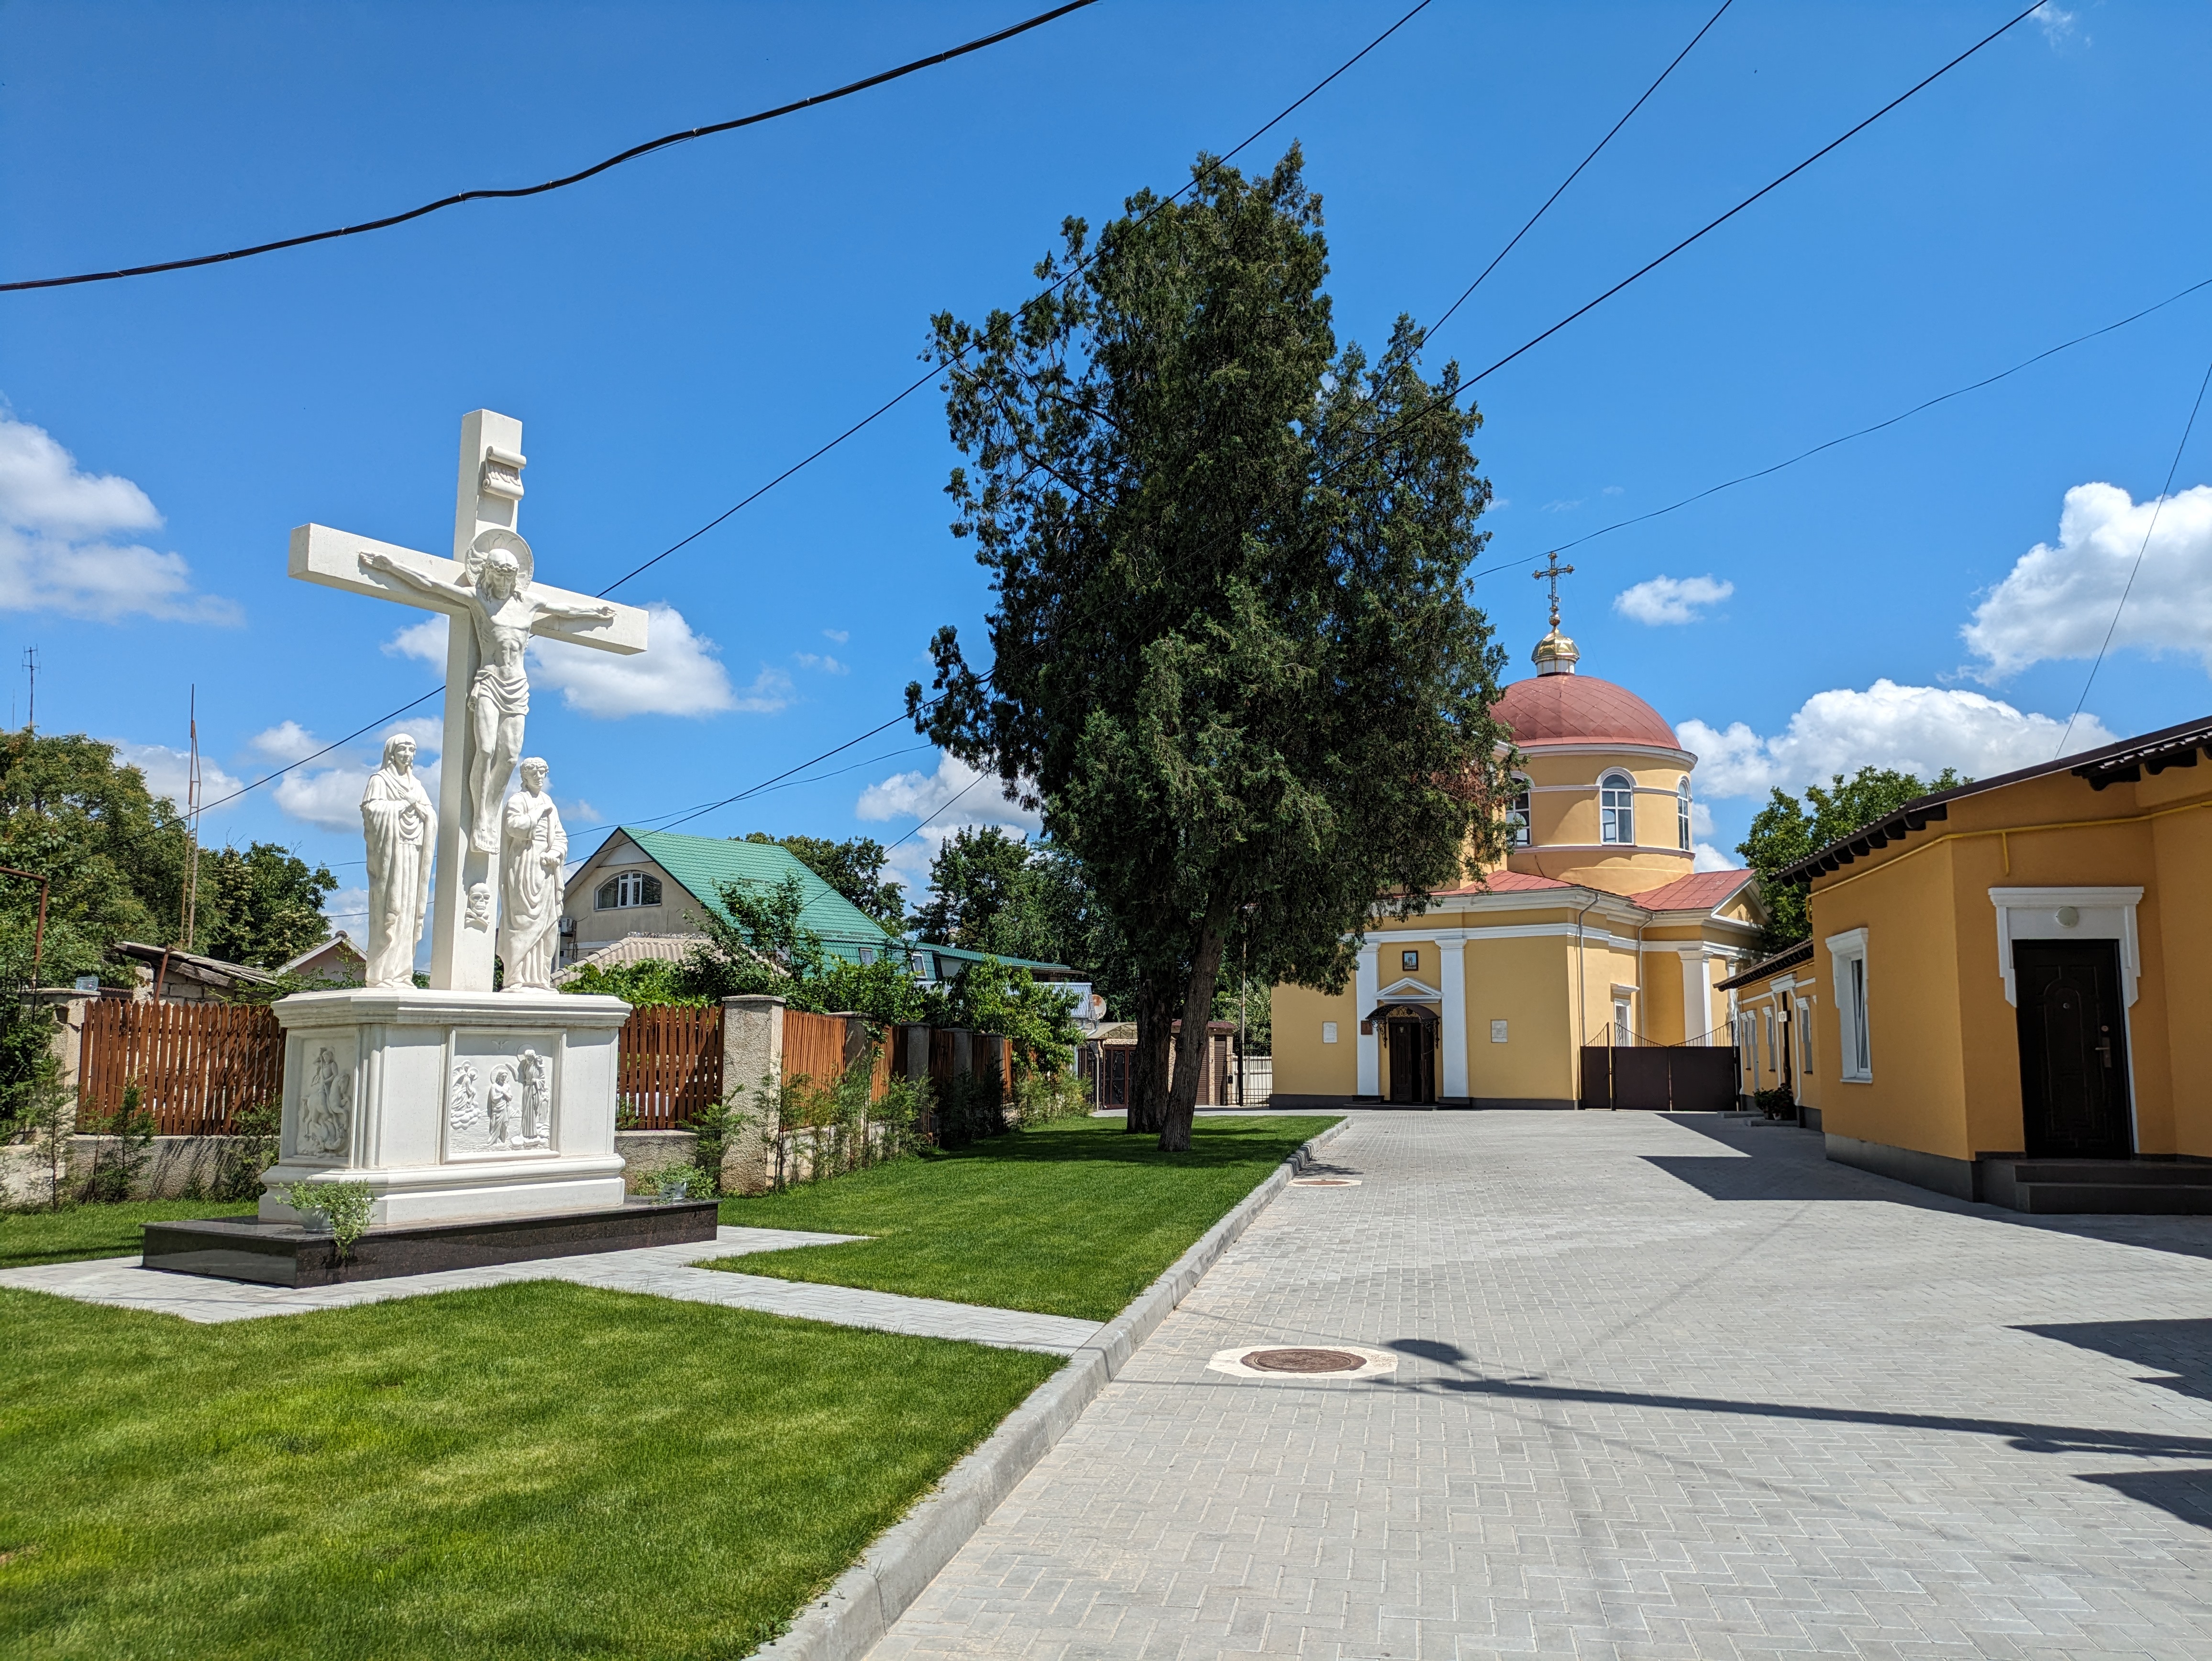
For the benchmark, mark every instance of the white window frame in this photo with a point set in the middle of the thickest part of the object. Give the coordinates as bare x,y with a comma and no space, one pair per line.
1768,1010
1847,958
1682,813
1616,809
1805,1037
1517,814
622,882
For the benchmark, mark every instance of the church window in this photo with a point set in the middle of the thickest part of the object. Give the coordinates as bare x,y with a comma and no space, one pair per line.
630,888
1518,817
1682,814
1622,1034
1616,801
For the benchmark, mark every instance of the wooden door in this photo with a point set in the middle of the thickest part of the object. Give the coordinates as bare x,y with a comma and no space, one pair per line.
1413,1072
2073,1050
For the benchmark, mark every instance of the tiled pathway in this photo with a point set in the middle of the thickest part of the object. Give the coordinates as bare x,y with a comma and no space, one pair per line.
662,1271
1668,1389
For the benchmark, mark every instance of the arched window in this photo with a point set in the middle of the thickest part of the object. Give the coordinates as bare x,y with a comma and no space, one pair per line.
1682,814
630,888
1616,801
1518,816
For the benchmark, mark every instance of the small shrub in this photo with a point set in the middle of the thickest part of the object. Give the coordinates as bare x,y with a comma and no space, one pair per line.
250,1150
118,1159
1041,1097
344,1207
1776,1104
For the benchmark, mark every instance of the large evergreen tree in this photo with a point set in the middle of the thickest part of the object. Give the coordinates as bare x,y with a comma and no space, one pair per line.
1232,655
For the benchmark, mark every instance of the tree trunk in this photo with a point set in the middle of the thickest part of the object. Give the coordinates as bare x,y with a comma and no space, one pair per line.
1148,1070
1190,1042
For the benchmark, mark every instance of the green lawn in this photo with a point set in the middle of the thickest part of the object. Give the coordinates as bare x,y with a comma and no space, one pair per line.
96,1230
1074,1217
527,1471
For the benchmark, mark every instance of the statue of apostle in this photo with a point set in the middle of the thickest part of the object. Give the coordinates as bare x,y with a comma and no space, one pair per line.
497,600
401,828
532,852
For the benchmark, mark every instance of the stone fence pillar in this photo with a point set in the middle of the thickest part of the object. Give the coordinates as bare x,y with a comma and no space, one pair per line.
752,1051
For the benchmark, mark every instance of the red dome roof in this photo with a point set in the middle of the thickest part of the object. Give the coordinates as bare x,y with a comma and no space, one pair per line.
1580,709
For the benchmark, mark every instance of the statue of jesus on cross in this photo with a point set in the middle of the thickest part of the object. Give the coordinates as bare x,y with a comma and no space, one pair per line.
489,582
497,600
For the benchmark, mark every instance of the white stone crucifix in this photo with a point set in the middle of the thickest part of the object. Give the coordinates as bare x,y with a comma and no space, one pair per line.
489,584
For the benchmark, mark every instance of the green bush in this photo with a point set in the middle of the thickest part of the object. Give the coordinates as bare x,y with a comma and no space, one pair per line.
344,1207
118,1159
1040,1098
250,1150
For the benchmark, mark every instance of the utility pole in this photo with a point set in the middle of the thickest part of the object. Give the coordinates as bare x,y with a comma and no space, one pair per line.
192,818
31,663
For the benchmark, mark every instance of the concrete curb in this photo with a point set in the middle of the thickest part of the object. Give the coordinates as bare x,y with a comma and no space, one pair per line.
846,1621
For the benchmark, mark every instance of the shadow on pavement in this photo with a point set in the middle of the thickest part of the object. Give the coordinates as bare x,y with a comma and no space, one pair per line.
2182,1349
1779,1162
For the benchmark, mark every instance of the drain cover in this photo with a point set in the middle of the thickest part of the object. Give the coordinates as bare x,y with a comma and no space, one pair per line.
1304,1360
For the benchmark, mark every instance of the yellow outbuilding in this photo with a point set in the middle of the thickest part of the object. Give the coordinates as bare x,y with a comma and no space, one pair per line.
1998,998
1597,931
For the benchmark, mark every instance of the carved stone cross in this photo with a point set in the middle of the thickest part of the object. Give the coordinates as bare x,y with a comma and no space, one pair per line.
488,589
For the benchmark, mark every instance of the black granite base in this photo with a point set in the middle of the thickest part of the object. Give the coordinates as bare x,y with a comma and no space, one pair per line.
286,1254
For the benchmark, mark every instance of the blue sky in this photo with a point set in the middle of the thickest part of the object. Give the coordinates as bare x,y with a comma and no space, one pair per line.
675,332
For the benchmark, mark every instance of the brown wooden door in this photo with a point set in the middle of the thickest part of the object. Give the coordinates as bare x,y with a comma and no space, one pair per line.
1413,1072
2073,1050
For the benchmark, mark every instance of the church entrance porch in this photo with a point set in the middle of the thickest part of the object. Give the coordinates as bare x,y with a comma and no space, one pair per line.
1409,1047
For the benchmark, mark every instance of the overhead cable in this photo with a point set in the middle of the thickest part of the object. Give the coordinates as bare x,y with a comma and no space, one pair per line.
629,155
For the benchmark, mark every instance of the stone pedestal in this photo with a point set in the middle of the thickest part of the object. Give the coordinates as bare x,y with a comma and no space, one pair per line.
451,1106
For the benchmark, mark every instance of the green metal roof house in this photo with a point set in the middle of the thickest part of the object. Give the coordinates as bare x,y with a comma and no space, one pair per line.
659,883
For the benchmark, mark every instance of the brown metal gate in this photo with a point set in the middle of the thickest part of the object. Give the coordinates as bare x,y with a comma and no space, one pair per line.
1674,1078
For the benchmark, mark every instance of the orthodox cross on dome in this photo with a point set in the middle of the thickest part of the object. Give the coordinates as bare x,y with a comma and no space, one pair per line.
1552,573
1555,653
489,587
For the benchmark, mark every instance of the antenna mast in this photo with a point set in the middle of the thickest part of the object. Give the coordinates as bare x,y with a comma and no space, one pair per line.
192,820
31,663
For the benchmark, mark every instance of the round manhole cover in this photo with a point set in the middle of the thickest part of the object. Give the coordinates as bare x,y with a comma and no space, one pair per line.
1304,1360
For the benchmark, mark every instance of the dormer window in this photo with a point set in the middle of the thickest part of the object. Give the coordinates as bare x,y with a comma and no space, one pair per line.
1616,801
1682,814
1517,816
630,888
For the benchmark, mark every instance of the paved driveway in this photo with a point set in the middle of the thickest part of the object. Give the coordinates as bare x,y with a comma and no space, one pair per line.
1667,1388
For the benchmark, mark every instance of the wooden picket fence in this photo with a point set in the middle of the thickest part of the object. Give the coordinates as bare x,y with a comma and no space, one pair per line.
671,1065
197,1065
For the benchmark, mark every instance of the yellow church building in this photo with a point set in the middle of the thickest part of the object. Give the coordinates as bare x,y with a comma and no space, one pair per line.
1597,930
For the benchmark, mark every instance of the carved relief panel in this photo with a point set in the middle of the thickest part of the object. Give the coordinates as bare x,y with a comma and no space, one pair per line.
502,1094
321,1118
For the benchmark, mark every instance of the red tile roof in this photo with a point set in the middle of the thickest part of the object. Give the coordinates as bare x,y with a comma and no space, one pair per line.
1580,709
1701,891
1506,882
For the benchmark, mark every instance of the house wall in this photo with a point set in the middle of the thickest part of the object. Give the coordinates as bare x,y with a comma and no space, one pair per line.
677,912
1304,1066
1945,1039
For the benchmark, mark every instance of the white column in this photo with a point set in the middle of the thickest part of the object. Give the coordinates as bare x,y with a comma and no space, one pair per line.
1697,998
1365,990
1453,985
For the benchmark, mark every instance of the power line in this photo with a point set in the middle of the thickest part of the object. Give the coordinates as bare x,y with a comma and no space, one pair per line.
1495,261
949,801
936,370
881,410
2157,507
267,778
629,155
1863,432
1713,225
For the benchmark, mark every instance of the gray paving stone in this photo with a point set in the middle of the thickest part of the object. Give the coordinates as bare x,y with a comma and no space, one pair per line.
655,1271
1670,1390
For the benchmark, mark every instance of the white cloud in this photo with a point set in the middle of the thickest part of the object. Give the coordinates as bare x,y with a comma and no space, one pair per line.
827,664
1710,858
1671,600
287,742
425,640
841,636
347,908
56,547
677,674
167,771
2058,22
1563,506
329,797
1612,490
1914,729
974,799
770,693
2058,602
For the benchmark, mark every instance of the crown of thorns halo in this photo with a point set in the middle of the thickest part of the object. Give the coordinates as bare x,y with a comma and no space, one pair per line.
490,542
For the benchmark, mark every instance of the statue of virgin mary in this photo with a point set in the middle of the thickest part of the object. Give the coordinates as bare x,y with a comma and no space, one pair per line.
400,826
